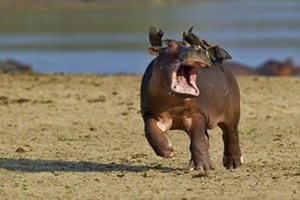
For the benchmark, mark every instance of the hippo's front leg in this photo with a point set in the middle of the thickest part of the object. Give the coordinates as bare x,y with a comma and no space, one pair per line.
199,145
157,139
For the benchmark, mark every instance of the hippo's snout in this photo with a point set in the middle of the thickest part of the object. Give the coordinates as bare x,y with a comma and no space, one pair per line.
197,58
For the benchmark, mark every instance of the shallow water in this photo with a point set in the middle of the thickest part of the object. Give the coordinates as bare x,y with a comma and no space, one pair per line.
115,41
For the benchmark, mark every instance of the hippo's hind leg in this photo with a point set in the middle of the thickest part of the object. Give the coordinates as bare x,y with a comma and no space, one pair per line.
232,157
199,145
157,139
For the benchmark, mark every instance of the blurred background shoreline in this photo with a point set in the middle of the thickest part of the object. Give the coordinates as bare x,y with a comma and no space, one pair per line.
108,37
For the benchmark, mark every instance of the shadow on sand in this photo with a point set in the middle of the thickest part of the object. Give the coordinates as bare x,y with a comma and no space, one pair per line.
38,165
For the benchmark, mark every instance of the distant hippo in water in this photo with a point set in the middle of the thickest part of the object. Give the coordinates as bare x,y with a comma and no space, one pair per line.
271,67
184,88
277,68
9,66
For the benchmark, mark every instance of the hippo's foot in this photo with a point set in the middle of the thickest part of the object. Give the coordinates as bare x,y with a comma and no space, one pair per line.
204,164
160,144
165,151
157,140
232,161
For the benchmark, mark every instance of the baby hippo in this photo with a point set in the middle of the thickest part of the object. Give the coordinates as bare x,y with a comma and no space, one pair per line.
184,89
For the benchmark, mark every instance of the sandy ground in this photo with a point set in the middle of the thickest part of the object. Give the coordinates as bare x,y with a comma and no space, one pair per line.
81,137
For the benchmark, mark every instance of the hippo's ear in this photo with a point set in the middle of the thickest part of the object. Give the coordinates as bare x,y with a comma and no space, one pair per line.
155,36
154,50
217,53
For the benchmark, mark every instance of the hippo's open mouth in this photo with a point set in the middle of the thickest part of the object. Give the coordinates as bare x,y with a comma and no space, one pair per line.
184,78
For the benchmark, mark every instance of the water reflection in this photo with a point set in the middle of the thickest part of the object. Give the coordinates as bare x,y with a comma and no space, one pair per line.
114,39
105,62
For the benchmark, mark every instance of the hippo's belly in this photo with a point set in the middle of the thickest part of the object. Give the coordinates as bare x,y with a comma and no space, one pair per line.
181,123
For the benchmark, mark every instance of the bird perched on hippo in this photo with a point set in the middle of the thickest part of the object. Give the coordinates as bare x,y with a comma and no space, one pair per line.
188,87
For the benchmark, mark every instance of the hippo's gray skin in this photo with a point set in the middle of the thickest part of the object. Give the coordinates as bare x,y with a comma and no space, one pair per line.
208,96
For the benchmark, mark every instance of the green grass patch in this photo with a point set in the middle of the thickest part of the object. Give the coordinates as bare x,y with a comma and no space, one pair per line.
46,101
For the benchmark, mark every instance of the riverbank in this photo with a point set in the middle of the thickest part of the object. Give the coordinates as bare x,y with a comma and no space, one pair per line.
81,137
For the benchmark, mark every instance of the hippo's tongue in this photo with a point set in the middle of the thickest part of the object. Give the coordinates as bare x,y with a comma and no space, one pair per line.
184,81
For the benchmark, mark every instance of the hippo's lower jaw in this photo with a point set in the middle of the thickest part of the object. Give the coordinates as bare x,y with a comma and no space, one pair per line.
183,80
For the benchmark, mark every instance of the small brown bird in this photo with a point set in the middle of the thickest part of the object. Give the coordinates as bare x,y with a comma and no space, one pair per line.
217,53
190,38
214,52
155,37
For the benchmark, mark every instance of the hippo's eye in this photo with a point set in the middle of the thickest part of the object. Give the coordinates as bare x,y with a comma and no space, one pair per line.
172,45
